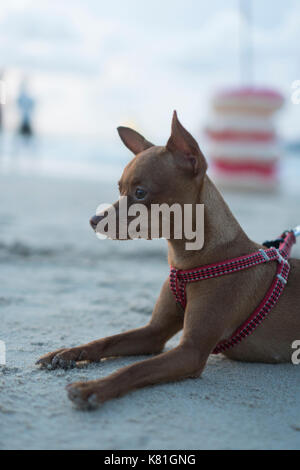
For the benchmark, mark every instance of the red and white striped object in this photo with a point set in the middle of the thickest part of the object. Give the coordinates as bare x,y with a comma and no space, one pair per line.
243,145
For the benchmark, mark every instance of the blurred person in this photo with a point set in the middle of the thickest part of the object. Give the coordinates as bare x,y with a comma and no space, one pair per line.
26,106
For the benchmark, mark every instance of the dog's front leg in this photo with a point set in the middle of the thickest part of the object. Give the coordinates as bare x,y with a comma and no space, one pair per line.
176,364
167,320
186,360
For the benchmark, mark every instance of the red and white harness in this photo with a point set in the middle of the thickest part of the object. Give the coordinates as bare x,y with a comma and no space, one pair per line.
279,251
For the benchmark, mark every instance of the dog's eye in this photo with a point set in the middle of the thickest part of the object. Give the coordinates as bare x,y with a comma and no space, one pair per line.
140,193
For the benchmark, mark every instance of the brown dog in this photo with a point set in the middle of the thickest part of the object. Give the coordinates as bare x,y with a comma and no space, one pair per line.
215,307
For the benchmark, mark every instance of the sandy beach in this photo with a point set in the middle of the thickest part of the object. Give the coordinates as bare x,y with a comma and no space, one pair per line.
61,286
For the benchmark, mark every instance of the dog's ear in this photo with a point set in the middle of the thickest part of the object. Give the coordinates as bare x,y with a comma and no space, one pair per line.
133,140
183,145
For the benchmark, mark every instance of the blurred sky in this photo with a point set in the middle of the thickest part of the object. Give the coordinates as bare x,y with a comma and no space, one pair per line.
97,64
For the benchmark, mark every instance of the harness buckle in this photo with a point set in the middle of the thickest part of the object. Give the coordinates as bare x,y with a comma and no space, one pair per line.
280,258
281,279
264,254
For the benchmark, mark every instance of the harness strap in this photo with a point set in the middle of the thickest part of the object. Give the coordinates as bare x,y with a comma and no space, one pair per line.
179,279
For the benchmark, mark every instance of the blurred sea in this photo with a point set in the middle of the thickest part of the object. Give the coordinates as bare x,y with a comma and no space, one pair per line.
85,158
64,157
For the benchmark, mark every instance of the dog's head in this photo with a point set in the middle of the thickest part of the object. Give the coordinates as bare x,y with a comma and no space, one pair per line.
172,174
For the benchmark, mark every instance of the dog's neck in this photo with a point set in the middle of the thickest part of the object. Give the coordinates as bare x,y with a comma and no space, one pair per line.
223,236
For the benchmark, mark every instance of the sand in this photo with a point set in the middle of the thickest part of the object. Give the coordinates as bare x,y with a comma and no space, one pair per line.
60,286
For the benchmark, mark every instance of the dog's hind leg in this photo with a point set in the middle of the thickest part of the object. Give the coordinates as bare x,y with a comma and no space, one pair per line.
167,320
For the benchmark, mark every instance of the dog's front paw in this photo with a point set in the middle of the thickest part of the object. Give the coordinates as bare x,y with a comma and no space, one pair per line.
85,395
62,358
46,360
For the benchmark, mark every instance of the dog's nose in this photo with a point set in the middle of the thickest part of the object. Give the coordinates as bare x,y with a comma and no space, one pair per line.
94,221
